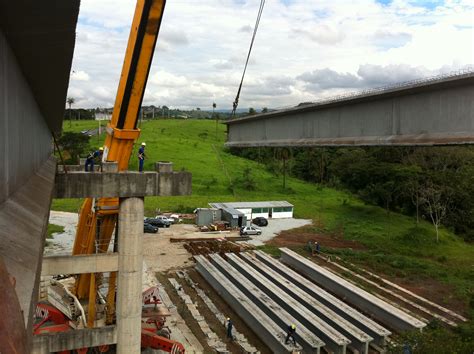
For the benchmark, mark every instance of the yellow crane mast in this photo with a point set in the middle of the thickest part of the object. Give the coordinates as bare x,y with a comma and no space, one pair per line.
98,218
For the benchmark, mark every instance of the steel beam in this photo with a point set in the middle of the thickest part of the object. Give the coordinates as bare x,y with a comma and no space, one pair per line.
264,327
360,340
379,309
363,322
435,112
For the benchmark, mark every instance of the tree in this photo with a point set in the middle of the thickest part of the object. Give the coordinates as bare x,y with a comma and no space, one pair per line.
70,101
252,111
283,154
436,202
264,110
75,144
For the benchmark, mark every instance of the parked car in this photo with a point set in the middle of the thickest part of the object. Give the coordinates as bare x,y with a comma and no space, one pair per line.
164,218
150,229
250,230
158,222
174,218
260,221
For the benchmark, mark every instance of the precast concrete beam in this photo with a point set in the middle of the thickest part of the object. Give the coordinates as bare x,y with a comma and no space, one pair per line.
80,264
121,184
74,339
434,112
308,340
360,340
379,309
358,319
262,325
335,341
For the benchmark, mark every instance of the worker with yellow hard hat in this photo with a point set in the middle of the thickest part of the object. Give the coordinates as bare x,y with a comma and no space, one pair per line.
290,333
141,157
229,327
93,155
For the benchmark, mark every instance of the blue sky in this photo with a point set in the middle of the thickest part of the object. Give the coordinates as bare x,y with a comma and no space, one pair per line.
304,50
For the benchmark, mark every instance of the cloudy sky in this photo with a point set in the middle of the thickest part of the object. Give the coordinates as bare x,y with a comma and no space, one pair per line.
305,49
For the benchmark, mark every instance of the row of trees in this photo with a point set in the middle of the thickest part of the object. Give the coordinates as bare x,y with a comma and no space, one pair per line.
434,183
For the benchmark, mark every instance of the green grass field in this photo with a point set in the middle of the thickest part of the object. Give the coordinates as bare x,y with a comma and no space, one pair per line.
394,245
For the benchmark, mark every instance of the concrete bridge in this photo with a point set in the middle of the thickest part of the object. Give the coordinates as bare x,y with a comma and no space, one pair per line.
437,111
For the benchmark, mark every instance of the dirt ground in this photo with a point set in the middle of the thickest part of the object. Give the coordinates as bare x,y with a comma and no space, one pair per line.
301,236
162,255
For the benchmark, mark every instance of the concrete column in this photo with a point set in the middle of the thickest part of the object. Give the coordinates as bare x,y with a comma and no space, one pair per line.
129,286
163,166
110,166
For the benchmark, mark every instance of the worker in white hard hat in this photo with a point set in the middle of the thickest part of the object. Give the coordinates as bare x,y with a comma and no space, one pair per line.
290,333
141,157
229,326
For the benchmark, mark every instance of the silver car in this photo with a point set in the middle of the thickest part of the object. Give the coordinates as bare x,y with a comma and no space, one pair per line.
250,230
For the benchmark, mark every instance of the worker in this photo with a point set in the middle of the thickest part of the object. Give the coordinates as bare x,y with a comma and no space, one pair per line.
92,156
229,327
141,157
291,334
318,249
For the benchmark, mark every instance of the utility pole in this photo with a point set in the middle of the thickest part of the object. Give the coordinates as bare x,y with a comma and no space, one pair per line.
213,108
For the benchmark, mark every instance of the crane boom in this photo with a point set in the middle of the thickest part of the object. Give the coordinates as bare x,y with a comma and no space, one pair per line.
98,218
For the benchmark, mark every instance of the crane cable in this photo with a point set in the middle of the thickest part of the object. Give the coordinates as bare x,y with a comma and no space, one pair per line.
236,101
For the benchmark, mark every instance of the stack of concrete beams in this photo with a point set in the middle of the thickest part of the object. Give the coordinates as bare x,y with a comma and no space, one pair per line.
269,289
374,306
263,326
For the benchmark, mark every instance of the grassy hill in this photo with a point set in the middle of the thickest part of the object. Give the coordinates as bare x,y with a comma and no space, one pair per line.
394,245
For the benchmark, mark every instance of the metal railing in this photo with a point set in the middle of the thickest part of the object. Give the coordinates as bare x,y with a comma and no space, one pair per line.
383,89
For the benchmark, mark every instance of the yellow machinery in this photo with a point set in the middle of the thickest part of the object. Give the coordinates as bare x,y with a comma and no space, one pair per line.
98,218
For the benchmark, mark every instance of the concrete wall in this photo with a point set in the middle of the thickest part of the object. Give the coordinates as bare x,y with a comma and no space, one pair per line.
282,214
206,216
25,140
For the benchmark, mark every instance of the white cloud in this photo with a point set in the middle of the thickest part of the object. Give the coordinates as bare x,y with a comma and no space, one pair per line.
304,49
79,76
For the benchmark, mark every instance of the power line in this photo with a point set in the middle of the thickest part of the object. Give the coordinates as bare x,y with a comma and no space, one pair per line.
236,101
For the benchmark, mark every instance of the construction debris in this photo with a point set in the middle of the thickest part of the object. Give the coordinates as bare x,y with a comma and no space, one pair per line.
211,337
239,338
213,246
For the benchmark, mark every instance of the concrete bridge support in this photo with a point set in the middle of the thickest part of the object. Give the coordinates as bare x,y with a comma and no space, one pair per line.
129,285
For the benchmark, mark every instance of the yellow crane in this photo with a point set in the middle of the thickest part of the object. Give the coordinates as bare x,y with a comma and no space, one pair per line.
98,218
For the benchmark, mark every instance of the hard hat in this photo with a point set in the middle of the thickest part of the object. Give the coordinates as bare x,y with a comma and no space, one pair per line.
228,318
293,326
143,144
101,148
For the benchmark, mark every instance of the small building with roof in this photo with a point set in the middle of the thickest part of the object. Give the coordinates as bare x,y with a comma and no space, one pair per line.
267,209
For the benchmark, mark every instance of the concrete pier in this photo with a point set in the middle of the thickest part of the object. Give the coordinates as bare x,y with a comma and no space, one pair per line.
129,285
379,309
363,322
264,327
121,184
